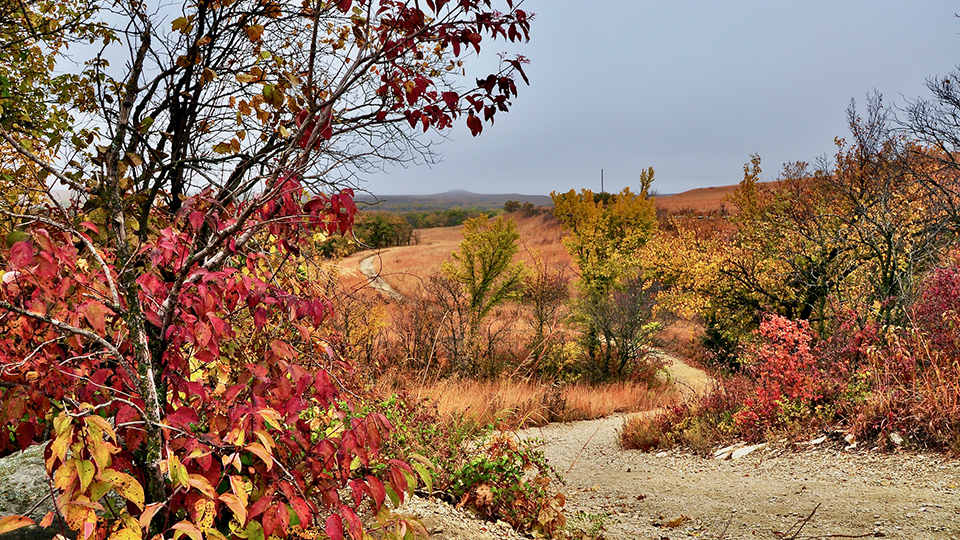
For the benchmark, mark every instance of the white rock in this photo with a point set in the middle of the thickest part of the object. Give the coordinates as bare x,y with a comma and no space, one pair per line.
895,438
727,449
23,482
741,452
818,440
661,454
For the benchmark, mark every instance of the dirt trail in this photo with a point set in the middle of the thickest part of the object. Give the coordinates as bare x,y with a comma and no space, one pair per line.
910,496
766,494
377,282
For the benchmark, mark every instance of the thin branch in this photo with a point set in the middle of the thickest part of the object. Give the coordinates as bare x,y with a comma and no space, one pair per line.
64,327
42,163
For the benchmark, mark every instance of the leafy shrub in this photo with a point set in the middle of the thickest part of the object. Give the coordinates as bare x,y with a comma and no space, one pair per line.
912,374
509,479
502,479
787,378
700,424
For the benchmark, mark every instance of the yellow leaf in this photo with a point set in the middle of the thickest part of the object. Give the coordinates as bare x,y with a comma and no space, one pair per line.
201,484
47,520
99,421
125,485
181,24
239,489
12,523
187,528
246,78
61,423
85,469
222,148
125,533
135,161
65,475
271,416
233,503
99,489
178,472
208,75
265,439
148,513
261,452
206,512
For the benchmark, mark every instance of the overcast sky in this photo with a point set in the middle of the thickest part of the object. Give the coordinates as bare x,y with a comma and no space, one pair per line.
688,88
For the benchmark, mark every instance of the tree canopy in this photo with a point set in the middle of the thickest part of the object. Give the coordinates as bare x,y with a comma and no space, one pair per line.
161,322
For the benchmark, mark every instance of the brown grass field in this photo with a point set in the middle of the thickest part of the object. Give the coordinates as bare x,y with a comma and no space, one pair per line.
517,403
406,267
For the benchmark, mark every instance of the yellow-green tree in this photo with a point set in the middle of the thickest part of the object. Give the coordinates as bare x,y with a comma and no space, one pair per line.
484,264
605,233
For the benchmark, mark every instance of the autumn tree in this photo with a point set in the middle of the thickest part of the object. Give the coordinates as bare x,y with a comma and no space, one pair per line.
158,325
605,234
484,265
853,235
934,126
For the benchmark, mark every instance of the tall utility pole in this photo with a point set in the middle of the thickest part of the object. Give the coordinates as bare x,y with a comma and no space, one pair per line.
601,180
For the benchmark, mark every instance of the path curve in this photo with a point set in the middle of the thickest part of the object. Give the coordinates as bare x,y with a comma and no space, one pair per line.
377,282
903,495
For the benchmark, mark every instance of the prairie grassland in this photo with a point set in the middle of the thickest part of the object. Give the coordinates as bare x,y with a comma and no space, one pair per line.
407,267
516,403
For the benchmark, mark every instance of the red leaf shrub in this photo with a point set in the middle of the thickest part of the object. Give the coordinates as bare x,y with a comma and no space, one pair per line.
785,375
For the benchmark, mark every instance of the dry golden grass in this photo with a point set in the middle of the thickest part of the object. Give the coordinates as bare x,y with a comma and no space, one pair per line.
513,404
407,267
702,200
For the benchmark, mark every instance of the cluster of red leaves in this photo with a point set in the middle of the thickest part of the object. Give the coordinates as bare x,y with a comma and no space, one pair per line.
937,311
252,443
784,370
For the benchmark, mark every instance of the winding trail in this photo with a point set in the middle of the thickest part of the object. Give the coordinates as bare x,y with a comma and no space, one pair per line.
377,282
900,495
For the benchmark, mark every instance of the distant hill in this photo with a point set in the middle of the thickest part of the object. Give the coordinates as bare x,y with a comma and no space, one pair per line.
709,199
454,199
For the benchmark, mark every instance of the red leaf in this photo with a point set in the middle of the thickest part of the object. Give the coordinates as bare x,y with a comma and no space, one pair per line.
91,226
21,254
95,313
271,520
376,487
356,527
259,506
302,508
475,125
183,417
196,220
451,99
334,527
260,317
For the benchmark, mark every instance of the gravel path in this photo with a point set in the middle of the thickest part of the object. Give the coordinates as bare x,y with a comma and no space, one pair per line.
766,494
758,496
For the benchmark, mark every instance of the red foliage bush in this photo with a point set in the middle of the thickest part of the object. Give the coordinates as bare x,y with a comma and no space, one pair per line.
785,374
936,314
